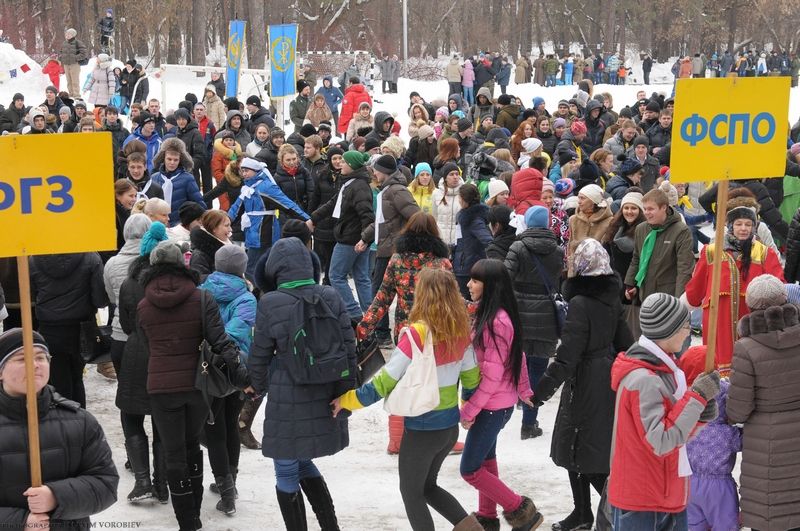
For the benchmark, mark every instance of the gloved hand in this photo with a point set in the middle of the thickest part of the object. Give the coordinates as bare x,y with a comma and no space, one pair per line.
707,385
711,412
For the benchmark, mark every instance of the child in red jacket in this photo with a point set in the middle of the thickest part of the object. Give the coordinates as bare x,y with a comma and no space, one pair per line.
53,69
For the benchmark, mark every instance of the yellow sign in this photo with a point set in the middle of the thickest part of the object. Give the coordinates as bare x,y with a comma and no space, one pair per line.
56,194
729,128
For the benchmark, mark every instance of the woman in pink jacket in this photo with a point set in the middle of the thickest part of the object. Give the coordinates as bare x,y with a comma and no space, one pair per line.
504,380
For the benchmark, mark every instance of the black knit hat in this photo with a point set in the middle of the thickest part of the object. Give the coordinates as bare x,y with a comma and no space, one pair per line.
385,164
371,143
253,100
641,140
307,130
449,168
653,106
11,343
464,124
189,212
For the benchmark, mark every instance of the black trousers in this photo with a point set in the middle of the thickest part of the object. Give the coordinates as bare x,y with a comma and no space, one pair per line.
66,367
324,250
455,87
179,418
222,437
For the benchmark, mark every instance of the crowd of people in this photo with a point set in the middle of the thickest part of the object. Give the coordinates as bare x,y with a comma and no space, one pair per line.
528,248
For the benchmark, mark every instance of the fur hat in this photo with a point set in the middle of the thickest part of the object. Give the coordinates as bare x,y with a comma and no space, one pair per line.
301,84
741,212
176,145
765,291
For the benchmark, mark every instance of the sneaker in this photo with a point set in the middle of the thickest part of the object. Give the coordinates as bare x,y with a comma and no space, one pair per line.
530,431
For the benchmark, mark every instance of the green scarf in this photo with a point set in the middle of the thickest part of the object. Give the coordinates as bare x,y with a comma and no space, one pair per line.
646,254
296,284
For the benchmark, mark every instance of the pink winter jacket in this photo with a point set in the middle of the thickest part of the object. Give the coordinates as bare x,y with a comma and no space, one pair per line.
496,390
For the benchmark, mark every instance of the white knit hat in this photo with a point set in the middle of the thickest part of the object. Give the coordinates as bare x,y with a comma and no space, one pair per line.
595,194
529,145
496,187
632,198
765,291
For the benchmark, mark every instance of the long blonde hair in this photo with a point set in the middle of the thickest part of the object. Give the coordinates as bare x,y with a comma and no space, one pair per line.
438,304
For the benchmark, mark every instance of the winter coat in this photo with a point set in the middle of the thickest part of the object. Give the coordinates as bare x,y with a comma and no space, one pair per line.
223,155
354,96
536,311
595,129
496,389
712,452
333,96
316,114
103,85
118,135
75,457
297,111
132,394
521,74
446,214
11,118
114,274
261,116
194,142
397,207
184,186
567,143
483,74
475,236
240,135
478,112
325,187
453,71
501,243
672,261
356,209
768,212
582,226
507,117
413,252
658,136
549,142
297,422
67,288
503,76
468,77
594,332
237,306
152,143
269,156
650,171
215,110
764,396
526,190
227,190
146,188
73,52
381,117
617,187
358,122
650,426
298,187
169,316
204,246
422,195
792,267
420,151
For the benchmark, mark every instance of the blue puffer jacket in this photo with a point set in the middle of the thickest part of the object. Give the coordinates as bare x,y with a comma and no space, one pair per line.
184,188
237,306
333,96
475,236
153,144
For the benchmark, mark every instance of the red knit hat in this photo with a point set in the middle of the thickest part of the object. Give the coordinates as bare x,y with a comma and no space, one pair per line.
663,170
578,128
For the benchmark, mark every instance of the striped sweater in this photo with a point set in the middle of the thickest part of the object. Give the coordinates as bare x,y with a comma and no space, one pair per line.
446,414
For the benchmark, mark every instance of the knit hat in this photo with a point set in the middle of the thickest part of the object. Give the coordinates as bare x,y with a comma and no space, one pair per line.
70,33
18,96
294,228
82,104
168,253
171,120
629,166
538,100
424,132
385,164
564,187
529,145
566,156
226,133
792,293
51,88
253,100
653,106
641,140
307,130
424,166
371,143
662,315
356,160
443,111
570,203
591,259
565,103
559,122
65,110
334,150
547,184
189,212
11,343
464,124
277,132
671,191
588,172
395,145
632,198
578,128
231,259
504,99
663,170
183,114
450,167
741,212
795,149
536,217
325,125
251,164
156,234
496,187
594,193
625,112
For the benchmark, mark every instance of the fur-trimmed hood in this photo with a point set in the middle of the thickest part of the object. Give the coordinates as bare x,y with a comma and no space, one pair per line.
227,152
768,326
204,241
604,288
174,144
233,178
421,243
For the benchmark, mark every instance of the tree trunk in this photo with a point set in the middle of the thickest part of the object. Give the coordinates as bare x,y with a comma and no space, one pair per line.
622,41
609,41
256,34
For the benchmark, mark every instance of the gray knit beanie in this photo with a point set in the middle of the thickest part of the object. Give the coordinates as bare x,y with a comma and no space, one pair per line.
765,291
231,259
167,252
661,316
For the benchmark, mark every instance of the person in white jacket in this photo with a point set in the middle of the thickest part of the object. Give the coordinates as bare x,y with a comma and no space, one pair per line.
445,205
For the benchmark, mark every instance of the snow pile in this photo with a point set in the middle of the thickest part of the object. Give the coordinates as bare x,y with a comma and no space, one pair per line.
31,83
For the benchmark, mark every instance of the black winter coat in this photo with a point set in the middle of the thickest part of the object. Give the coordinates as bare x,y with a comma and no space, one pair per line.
549,142
594,333
618,186
356,209
269,156
658,136
475,237
536,311
501,242
325,187
204,246
67,288
11,118
127,81
118,136
791,271
298,188
132,394
297,420
195,145
768,212
76,461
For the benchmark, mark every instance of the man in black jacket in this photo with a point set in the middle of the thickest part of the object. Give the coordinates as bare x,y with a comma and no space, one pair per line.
112,124
188,132
258,115
14,115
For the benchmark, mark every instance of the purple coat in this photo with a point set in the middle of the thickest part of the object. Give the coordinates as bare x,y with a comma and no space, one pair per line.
713,451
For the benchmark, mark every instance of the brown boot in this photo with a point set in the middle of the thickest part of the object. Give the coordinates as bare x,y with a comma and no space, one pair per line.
396,428
525,516
470,523
106,368
246,418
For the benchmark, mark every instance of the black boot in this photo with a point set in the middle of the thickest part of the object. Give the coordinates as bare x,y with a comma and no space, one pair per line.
316,490
581,518
246,418
160,490
530,431
180,487
196,475
138,450
293,509
227,492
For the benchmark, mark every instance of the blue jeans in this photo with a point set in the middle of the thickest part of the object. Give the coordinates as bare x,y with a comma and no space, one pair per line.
536,368
481,441
598,78
612,78
289,473
651,521
469,95
550,80
345,260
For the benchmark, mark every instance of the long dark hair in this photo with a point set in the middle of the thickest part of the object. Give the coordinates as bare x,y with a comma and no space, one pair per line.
498,294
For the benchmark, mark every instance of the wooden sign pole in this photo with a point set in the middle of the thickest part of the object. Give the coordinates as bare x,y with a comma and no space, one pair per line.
716,274
27,338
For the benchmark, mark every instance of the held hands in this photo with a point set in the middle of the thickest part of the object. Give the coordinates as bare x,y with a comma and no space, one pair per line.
630,292
310,225
336,406
40,499
361,246
467,424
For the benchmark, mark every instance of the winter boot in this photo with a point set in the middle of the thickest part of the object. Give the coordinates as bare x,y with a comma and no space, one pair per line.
575,522
525,517
489,524
246,418
293,509
226,490
316,490
180,487
396,428
160,490
139,452
106,368
530,431
581,518
196,474
470,523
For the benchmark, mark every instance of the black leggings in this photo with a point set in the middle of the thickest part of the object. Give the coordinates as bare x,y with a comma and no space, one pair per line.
222,437
66,367
421,456
180,418
133,425
580,484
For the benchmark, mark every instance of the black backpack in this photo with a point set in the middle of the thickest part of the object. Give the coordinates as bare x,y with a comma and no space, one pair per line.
317,352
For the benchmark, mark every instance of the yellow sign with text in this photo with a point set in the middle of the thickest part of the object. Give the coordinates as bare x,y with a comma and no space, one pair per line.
56,194
729,128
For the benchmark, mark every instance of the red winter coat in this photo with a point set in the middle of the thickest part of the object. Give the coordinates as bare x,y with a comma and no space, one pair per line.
526,190
354,96
53,69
